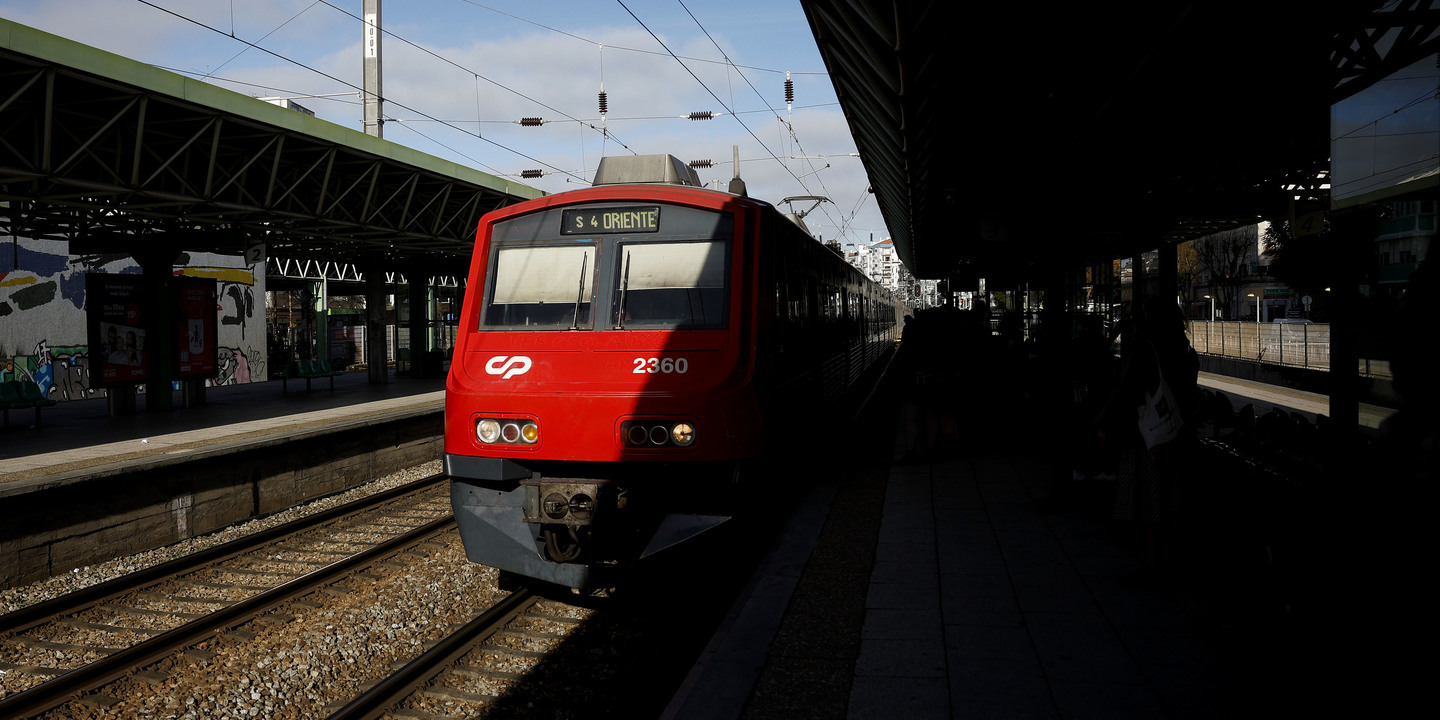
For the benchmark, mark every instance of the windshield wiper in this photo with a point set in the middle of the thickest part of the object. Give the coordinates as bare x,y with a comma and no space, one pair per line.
579,293
624,286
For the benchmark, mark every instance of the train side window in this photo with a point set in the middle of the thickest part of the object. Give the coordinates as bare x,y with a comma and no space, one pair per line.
541,287
679,284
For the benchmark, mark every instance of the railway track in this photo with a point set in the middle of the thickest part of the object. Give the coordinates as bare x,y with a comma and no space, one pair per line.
392,633
442,677
60,649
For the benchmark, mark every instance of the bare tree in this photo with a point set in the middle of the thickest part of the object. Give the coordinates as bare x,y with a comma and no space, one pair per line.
1187,268
1226,257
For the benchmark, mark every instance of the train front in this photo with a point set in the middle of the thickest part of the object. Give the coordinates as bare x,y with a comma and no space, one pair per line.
600,395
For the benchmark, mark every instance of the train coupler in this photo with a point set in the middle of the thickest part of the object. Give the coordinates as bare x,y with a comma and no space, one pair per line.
570,503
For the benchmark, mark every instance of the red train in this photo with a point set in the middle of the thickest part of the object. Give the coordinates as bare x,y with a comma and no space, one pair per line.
623,349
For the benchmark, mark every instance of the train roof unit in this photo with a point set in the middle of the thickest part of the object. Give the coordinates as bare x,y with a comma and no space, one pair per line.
645,170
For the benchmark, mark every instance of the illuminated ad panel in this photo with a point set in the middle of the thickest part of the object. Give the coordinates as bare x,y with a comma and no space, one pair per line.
195,330
115,316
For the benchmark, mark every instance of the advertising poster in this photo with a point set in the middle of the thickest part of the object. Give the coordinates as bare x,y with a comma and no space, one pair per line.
115,316
195,345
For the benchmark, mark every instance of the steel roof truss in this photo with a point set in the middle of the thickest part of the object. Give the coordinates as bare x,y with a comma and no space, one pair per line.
240,173
19,156
166,165
327,158
439,209
84,147
274,170
465,215
407,187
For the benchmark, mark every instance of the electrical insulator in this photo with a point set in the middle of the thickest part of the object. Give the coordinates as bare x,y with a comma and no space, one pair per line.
531,122
789,91
704,115
530,174
604,103
702,163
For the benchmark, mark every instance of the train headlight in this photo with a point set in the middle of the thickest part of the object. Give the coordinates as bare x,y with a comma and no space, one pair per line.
683,434
657,433
636,434
510,432
507,431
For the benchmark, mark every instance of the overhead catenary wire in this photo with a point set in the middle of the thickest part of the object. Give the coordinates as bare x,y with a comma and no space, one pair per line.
324,74
478,76
789,93
1379,177
693,75
262,37
470,71
640,51
712,92
329,97
472,130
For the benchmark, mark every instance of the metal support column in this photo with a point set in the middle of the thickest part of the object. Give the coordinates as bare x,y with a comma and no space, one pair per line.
1169,273
373,98
376,349
419,326
157,263
320,301
1357,229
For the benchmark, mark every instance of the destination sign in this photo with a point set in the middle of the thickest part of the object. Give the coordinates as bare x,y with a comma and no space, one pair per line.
600,221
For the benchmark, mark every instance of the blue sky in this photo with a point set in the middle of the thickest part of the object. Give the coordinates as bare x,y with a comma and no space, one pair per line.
455,68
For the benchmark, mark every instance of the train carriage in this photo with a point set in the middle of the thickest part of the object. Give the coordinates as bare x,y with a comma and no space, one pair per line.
622,349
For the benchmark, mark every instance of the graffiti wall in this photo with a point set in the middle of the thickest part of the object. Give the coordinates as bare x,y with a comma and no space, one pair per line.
42,314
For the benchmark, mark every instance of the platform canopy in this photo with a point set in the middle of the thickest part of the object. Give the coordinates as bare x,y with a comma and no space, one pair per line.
1002,136
115,156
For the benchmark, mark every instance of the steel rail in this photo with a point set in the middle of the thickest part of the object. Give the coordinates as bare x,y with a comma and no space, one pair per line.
85,598
383,696
113,667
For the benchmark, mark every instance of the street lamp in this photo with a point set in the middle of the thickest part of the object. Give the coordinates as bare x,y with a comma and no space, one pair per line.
1209,321
1259,353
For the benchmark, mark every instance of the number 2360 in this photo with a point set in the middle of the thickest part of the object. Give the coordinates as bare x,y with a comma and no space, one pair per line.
678,366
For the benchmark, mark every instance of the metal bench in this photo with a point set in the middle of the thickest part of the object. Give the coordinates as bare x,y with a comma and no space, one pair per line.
21,394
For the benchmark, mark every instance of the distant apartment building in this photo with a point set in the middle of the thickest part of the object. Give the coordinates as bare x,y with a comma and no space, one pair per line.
1403,242
880,263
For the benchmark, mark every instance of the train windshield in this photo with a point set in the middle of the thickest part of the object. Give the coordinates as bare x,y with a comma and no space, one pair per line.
670,284
608,266
543,286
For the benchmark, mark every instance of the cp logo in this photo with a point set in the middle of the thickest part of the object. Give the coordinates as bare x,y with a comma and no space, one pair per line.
506,366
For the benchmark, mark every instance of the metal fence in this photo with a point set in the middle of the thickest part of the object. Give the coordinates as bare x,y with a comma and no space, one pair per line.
1296,344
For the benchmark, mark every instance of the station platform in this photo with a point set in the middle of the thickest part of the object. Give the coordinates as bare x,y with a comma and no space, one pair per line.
83,487
985,581
78,439
988,582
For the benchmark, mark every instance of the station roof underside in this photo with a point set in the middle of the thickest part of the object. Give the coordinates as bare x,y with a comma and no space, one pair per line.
116,156
1002,137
